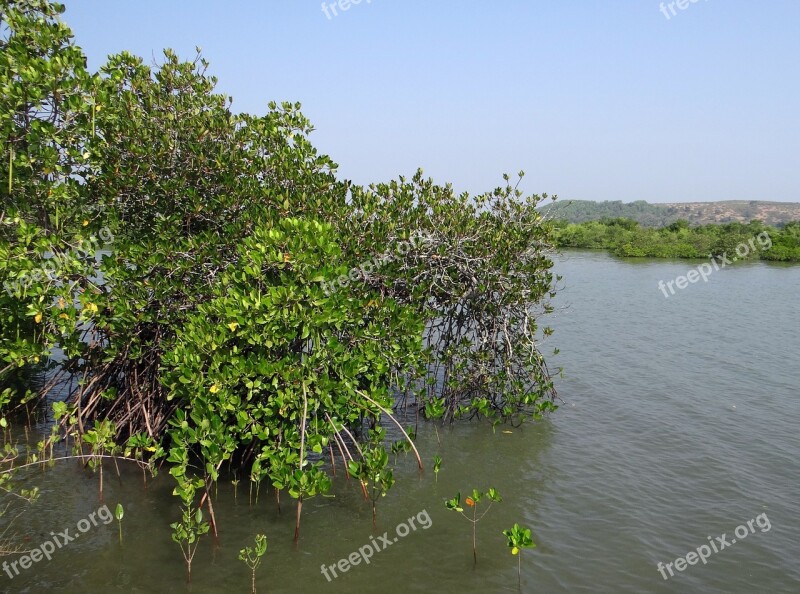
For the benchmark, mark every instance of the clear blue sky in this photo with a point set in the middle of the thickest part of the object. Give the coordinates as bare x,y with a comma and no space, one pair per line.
594,99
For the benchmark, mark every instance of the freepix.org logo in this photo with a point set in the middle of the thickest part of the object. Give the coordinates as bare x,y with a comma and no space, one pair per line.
717,263
715,545
668,8
57,541
382,543
332,9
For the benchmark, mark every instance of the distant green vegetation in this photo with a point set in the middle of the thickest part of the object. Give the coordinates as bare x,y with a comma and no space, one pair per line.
661,215
626,238
582,211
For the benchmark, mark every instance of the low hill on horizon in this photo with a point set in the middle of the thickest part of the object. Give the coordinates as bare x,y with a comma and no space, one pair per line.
662,214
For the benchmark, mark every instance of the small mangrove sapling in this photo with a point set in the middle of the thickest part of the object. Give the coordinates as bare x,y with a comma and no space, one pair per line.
119,513
373,470
519,538
472,501
251,556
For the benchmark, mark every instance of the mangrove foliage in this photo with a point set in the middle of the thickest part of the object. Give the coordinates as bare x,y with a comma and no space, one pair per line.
197,289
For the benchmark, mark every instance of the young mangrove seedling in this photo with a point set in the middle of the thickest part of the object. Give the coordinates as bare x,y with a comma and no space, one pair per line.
251,556
235,483
187,532
399,446
472,501
119,513
434,410
101,441
307,480
437,466
519,538
404,445
373,470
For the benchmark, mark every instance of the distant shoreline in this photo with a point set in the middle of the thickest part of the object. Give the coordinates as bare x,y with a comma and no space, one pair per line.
663,214
628,239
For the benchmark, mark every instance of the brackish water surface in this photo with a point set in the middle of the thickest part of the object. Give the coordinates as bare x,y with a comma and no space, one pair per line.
679,422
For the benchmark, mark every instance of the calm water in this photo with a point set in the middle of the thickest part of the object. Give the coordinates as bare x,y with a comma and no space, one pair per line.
679,422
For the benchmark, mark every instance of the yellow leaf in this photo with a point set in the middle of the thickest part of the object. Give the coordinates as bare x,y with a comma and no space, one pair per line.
85,223
514,551
214,389
91,307
233,326
38,318
63,316
287,257
61,303
507,431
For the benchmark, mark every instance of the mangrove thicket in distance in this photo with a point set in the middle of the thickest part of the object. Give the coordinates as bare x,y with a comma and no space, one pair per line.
627,238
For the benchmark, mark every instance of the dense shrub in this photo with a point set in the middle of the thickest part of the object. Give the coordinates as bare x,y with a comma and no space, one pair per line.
205,281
